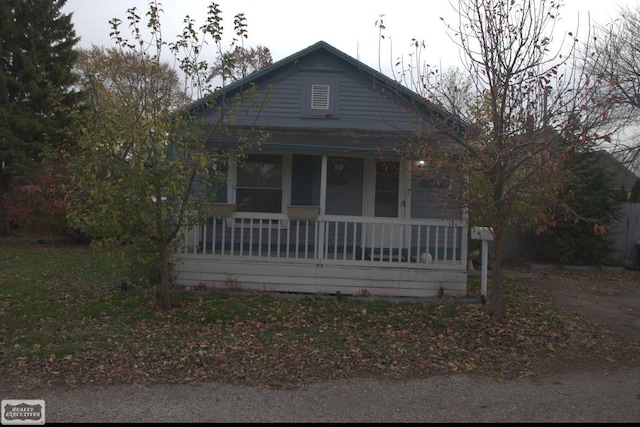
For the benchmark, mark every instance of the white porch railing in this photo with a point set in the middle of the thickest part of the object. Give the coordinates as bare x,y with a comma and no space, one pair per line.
411,243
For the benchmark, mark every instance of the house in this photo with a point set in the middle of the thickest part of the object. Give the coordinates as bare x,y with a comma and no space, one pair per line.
332,200
627,229
621,176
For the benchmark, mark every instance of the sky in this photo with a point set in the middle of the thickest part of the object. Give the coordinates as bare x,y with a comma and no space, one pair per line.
286,27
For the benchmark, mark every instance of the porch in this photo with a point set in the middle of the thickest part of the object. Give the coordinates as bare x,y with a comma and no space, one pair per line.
305,252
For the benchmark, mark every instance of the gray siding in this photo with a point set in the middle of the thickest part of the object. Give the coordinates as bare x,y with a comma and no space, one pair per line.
360,105
428,200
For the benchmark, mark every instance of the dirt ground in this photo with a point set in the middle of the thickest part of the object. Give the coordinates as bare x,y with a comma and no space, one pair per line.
611,298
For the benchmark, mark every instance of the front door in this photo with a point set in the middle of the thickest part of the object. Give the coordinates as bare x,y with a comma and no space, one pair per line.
387,192
386,198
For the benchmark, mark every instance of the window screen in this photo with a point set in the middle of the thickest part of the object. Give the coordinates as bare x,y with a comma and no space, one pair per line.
259,184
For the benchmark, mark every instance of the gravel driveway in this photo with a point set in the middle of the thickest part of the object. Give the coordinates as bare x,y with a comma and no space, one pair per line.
600,396
592,397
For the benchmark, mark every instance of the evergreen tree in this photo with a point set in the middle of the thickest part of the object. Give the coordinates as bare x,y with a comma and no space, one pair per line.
36,86
582,237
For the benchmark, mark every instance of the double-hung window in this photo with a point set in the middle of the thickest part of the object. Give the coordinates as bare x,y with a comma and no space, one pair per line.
259,183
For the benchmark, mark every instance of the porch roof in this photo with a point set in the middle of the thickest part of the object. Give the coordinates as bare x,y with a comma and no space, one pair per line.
319,140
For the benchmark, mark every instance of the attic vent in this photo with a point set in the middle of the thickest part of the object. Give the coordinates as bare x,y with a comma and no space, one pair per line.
320,97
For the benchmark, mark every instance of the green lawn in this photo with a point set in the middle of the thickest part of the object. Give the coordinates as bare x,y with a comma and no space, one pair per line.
65,320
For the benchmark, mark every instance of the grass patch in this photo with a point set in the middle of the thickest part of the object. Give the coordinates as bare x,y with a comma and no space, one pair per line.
63,318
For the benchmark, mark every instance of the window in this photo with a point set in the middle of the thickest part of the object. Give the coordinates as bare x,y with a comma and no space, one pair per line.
259,183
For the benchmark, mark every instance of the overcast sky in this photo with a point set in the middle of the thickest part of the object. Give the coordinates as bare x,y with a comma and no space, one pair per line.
286,27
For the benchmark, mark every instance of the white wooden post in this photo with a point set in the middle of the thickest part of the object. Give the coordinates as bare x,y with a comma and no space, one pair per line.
323,202
486,235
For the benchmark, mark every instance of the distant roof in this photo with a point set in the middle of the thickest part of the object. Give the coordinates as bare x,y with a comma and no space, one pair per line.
621,174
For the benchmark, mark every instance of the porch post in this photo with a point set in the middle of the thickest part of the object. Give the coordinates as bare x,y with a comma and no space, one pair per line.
323,202
323,185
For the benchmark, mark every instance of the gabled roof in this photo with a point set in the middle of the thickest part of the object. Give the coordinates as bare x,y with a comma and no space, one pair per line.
620,173
445,117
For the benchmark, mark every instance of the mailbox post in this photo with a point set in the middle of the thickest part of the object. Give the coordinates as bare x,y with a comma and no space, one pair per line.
486,235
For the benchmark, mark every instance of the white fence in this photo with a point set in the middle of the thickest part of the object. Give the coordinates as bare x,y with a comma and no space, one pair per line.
627,233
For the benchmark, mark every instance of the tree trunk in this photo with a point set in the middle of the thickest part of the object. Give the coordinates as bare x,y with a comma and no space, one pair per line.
497,305
5,226
165,293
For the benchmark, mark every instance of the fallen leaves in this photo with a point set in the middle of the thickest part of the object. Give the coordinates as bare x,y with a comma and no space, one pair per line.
103,336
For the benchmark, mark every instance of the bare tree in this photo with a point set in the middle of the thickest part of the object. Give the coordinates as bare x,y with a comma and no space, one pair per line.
614,57
239,63
455,92
530,96
533,97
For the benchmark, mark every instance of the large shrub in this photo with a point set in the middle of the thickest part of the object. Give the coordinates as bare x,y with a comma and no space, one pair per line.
582,236
38,203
